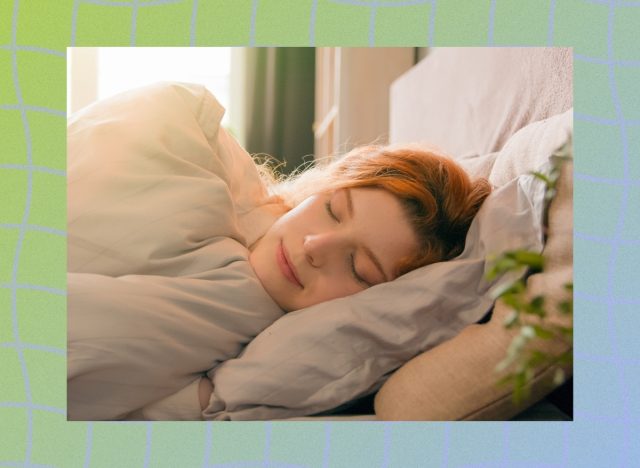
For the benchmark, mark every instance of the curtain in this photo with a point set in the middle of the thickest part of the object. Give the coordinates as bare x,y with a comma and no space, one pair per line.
279,105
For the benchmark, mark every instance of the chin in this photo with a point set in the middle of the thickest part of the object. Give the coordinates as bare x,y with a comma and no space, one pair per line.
286,308
278,293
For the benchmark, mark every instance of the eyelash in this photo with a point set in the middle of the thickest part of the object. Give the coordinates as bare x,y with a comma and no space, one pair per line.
327,205
352,263
360,279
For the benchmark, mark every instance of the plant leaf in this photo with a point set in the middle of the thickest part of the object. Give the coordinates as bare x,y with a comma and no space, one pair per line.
528,332
533,260
502,265
538,357
558,377
542,177
503,289
512,319
566,307
542,332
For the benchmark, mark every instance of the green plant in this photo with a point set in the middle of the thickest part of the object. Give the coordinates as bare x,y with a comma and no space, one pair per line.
531,315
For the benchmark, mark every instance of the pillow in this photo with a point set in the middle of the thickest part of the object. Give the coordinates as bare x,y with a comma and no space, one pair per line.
527,151
457,380
316,359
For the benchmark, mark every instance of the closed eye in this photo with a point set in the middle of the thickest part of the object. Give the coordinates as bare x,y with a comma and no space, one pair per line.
351,260
352,263
327,205
358,278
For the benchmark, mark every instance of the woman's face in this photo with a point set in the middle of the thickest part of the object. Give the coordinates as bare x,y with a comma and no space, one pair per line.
333,245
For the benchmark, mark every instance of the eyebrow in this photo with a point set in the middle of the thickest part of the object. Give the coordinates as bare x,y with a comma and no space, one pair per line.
366,249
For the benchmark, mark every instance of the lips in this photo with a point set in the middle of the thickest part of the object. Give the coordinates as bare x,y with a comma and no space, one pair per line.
285,266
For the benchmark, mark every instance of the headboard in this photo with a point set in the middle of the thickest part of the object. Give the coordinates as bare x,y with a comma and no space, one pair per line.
469,101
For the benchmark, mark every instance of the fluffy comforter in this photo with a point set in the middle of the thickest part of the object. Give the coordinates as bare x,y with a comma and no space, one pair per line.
162,207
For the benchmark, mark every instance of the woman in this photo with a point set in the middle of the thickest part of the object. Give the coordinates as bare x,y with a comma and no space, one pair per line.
367,218
168,277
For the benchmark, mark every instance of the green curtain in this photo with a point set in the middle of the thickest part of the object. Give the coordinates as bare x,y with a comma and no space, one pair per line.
280,86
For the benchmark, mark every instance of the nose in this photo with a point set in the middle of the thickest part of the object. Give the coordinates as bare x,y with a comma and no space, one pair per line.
320,248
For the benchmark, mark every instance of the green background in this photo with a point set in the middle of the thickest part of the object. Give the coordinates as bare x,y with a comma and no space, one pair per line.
34,35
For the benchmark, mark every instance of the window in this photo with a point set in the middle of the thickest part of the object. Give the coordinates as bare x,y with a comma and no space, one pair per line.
104,71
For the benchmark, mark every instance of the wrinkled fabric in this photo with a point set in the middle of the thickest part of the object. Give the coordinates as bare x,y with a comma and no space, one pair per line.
303,365
162,205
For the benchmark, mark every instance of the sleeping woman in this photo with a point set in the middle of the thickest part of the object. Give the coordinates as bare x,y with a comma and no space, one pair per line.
167,287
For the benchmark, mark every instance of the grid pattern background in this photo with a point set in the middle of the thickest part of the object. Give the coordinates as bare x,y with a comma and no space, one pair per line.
34,35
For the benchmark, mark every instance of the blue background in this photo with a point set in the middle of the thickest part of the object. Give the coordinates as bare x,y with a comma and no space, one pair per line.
33,39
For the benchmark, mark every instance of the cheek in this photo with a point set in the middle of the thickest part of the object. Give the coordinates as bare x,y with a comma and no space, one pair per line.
284,226
333,287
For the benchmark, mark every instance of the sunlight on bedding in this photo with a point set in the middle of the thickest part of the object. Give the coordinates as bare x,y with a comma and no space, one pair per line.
106,71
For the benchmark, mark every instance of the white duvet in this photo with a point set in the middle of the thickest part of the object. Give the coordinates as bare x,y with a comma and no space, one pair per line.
162,205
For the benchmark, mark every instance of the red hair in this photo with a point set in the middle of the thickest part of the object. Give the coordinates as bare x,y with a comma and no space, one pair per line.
439,198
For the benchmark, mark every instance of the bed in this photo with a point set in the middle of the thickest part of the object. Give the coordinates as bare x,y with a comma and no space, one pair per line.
414,343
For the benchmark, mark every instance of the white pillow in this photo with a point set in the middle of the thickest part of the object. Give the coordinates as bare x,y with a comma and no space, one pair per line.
319,358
